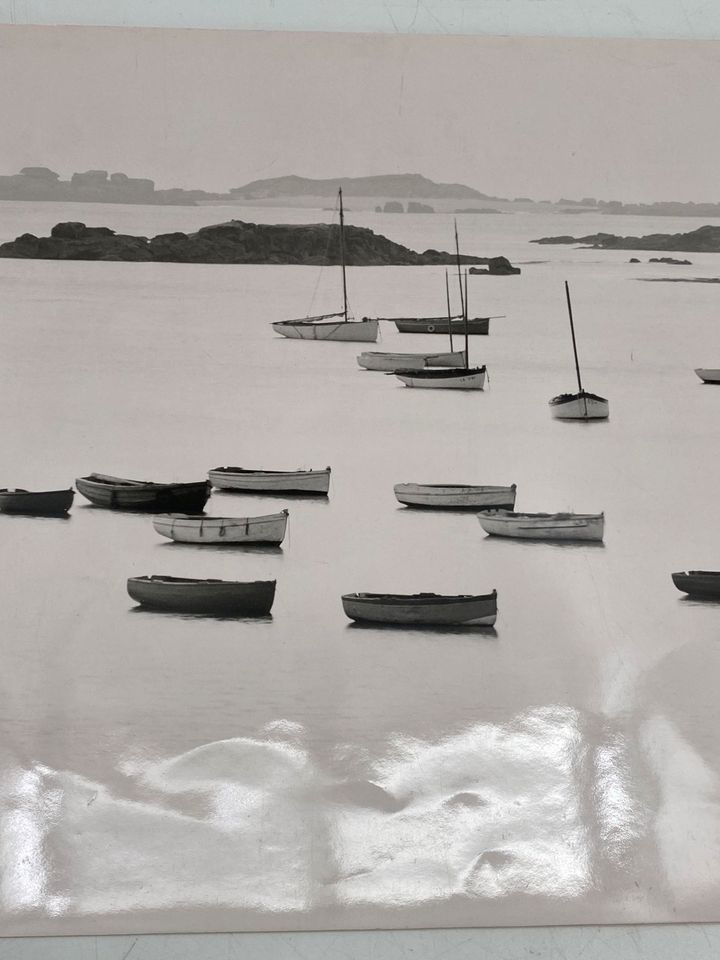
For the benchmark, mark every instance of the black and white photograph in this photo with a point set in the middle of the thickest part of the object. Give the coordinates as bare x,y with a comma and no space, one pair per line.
360,409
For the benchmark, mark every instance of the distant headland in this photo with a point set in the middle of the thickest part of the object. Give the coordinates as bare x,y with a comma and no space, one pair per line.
703,240
236,242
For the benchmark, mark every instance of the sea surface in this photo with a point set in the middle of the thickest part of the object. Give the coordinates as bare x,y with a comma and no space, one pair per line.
168,773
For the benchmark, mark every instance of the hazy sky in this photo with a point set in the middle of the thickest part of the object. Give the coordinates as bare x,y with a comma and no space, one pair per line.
545,118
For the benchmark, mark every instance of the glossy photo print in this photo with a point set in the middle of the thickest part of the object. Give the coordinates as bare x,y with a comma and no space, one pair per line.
360,429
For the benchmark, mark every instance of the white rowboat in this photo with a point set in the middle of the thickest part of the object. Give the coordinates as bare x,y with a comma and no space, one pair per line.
463,378
271,481
708,375
455,496
374,360
543,526
185,528
421,609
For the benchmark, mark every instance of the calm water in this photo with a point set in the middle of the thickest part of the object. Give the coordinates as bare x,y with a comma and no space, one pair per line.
161,773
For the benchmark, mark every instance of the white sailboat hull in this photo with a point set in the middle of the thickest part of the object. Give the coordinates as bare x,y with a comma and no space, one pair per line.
276,482
579,406
708,375
455,496
410,361
544,526
355,331
470,380
222,530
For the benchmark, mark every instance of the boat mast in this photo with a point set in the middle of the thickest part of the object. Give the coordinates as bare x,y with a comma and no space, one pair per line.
447,294
465,320
457,254
342,255
572,331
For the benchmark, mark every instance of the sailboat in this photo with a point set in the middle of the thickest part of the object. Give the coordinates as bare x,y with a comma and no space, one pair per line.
455,378
581,405
327,326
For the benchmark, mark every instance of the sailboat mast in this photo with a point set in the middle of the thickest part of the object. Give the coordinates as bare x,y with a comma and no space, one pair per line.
457,254
342,256
572,331
447,294
465,319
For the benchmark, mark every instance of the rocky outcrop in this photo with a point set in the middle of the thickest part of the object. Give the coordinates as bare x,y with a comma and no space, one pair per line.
393,206
403,185
497,267
415,207
703,240
233,242
680,263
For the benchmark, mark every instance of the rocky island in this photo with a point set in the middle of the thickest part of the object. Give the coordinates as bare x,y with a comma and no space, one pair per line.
703,240
235,242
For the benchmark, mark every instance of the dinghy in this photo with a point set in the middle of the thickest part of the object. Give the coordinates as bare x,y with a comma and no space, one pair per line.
699,583
185,528
543,526
463,378
707,375
421,609
327,326
117,493
46,503
478,325
455,496
271,481
209,597
581,405
411,361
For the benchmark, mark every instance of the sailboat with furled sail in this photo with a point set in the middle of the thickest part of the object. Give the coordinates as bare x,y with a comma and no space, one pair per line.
454,378
331,326
581,405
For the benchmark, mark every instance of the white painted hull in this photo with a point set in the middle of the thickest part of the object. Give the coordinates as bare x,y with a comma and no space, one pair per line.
579,407
276,482
222,530
544,526
421,610
707,375
411,361
357,331
454,496
457,381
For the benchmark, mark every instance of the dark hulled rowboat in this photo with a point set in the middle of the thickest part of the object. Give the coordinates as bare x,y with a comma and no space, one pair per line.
421,609
46,502
209,597
478,325
699,583
117,493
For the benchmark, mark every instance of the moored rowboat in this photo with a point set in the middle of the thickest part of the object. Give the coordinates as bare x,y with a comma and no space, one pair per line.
315,482
708,375
184,528
455,496
421,609
117,493
46,502
543,526
374,360
214,597
462,378
699,583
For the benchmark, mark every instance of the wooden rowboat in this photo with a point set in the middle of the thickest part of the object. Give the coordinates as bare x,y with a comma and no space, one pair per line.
421,609
699,583
309,482
455,496
47,502
117,493
579,406
708,375
185,528
213,597
463,378
374,360
543,526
